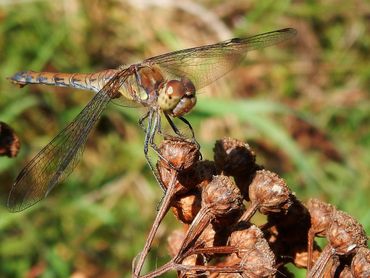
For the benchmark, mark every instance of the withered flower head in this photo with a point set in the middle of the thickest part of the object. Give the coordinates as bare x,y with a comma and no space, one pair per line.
360,266
321,215
174,242
179,155
270,192
187,206
301,257
234,157
255,256
200,174
221,199
222,196
179,152
345,234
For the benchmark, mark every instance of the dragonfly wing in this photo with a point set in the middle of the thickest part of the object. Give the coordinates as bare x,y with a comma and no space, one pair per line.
205,64
57,160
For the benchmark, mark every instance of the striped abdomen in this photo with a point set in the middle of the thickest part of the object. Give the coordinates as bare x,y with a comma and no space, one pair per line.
89,81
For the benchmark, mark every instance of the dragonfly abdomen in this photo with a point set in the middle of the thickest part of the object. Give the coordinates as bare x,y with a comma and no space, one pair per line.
91,81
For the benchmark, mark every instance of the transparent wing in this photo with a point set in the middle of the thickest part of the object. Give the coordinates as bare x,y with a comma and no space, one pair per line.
204,64
57,160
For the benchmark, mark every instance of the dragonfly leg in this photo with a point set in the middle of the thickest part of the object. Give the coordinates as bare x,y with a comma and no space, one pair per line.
142,119
178,132
185,121
173,126
150,132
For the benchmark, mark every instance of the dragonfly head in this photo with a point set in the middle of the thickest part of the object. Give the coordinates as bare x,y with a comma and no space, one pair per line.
177,97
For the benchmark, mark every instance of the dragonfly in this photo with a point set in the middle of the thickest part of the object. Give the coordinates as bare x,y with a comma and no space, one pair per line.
165,85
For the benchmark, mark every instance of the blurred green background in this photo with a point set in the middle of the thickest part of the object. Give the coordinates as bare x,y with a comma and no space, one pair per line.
303,106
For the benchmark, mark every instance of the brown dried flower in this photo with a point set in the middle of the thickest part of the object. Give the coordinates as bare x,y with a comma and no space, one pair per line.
178,153
254,254
287,232
345,236
268,193
234,157
321,215
219,243
220,199
360,266
174,242
186,207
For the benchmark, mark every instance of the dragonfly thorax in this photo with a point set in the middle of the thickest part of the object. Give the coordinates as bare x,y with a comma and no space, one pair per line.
177,97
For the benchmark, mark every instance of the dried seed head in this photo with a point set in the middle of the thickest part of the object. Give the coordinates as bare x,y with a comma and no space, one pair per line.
245,236
295,218
222,197
345,234
234,157
301,257
341,272
200,174
213,236
179,152
321,215
360,266
166,176
9,141
270,192
220,200
254,255
288,235
174,242
338,267
260,262
187,206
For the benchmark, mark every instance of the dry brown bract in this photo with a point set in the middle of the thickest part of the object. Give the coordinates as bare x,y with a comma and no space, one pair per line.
268,193
321,217
345,236
360,266
218,239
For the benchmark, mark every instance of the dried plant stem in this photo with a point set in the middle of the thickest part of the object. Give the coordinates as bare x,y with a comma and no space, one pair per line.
165,205
199,224
213,250
207,268
251,210
322,263
171,265
161,270
310,241
321,216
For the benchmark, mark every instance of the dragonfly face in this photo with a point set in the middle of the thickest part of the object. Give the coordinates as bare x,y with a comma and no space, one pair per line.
177,97
166,82
151,89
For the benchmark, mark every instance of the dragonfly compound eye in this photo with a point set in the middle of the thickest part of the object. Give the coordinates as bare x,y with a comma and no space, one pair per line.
177,98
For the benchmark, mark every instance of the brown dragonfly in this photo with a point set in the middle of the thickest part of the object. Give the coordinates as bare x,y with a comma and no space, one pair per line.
164,84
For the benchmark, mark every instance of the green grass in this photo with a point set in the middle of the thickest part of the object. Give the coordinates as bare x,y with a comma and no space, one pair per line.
98,219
